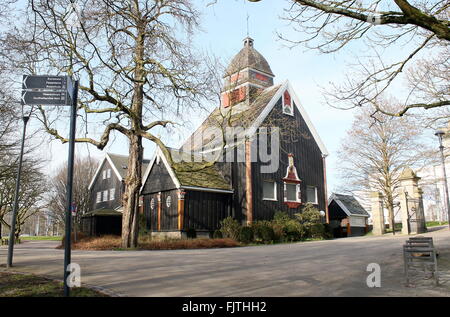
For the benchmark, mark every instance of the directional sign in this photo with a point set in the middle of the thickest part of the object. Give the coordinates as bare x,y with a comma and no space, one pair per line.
50,98
45,82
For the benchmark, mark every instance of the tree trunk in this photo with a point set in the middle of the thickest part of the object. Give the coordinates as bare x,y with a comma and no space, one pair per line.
130,223
390,206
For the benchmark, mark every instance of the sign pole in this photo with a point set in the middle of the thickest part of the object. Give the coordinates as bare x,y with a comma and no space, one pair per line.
12,232
67,245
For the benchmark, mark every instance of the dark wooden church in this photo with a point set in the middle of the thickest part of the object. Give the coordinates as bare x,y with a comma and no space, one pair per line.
191,194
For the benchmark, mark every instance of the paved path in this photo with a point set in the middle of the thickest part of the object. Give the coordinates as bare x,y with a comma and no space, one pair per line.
322,268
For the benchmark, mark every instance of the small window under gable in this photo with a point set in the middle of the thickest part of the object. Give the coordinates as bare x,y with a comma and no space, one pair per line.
292,191
104,174
108,173
288,105
269,190
311,194
112,194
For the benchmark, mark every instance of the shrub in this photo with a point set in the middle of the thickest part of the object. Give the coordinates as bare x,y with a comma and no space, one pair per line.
263,231
191,233
317,231
107,242
294,231
217,234
309,215
200,243
80,236
230,228
281,217
308,218
278,232
328,231
287,229
246,234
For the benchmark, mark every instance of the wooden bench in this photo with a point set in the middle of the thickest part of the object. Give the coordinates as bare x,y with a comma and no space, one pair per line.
420,252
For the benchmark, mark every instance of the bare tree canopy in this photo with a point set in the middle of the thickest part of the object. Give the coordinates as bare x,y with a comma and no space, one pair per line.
135,65
374,153
84,170
419,30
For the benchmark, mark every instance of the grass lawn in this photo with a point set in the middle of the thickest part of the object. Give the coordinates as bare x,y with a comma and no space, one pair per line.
21,285
436,223
48,238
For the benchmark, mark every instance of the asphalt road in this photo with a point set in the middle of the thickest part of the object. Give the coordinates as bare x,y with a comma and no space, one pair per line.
322,268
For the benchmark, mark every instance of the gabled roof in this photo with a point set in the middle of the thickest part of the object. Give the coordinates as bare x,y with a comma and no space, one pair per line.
250,117
119,164
349,205
238,115
190,175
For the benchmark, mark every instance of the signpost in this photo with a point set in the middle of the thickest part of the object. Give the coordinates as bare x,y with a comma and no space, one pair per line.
45,82
53,91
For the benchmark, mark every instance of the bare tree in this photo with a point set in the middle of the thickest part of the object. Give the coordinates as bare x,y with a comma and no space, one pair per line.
33,186
418,29
136,69
374,153
84,170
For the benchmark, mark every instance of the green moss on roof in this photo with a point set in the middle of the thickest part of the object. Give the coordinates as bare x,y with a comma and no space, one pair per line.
198,174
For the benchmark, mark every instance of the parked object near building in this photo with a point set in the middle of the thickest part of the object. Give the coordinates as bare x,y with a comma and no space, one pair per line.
106,187
347,217
196,193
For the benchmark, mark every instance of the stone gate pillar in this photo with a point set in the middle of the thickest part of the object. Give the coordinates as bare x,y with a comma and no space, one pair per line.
377,213
411,203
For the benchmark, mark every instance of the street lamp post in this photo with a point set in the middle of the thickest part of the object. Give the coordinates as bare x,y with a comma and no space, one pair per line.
25,118
440,134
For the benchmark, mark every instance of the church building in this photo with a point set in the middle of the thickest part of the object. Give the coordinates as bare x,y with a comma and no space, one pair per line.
273,161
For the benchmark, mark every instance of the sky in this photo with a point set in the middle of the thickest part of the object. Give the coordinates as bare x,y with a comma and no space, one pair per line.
224,26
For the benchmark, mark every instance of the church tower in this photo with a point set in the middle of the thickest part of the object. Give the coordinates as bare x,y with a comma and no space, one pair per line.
248,73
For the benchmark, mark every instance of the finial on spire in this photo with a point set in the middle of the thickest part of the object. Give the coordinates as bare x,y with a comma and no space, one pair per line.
248,17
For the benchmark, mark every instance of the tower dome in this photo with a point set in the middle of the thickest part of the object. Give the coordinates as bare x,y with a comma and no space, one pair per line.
248,73
248,56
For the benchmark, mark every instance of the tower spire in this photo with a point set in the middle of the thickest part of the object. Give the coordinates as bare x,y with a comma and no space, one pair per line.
248,18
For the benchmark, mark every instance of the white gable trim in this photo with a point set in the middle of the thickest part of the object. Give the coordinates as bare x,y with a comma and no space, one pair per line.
305,116
147,172
286,85
114,167
99,168
159,154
